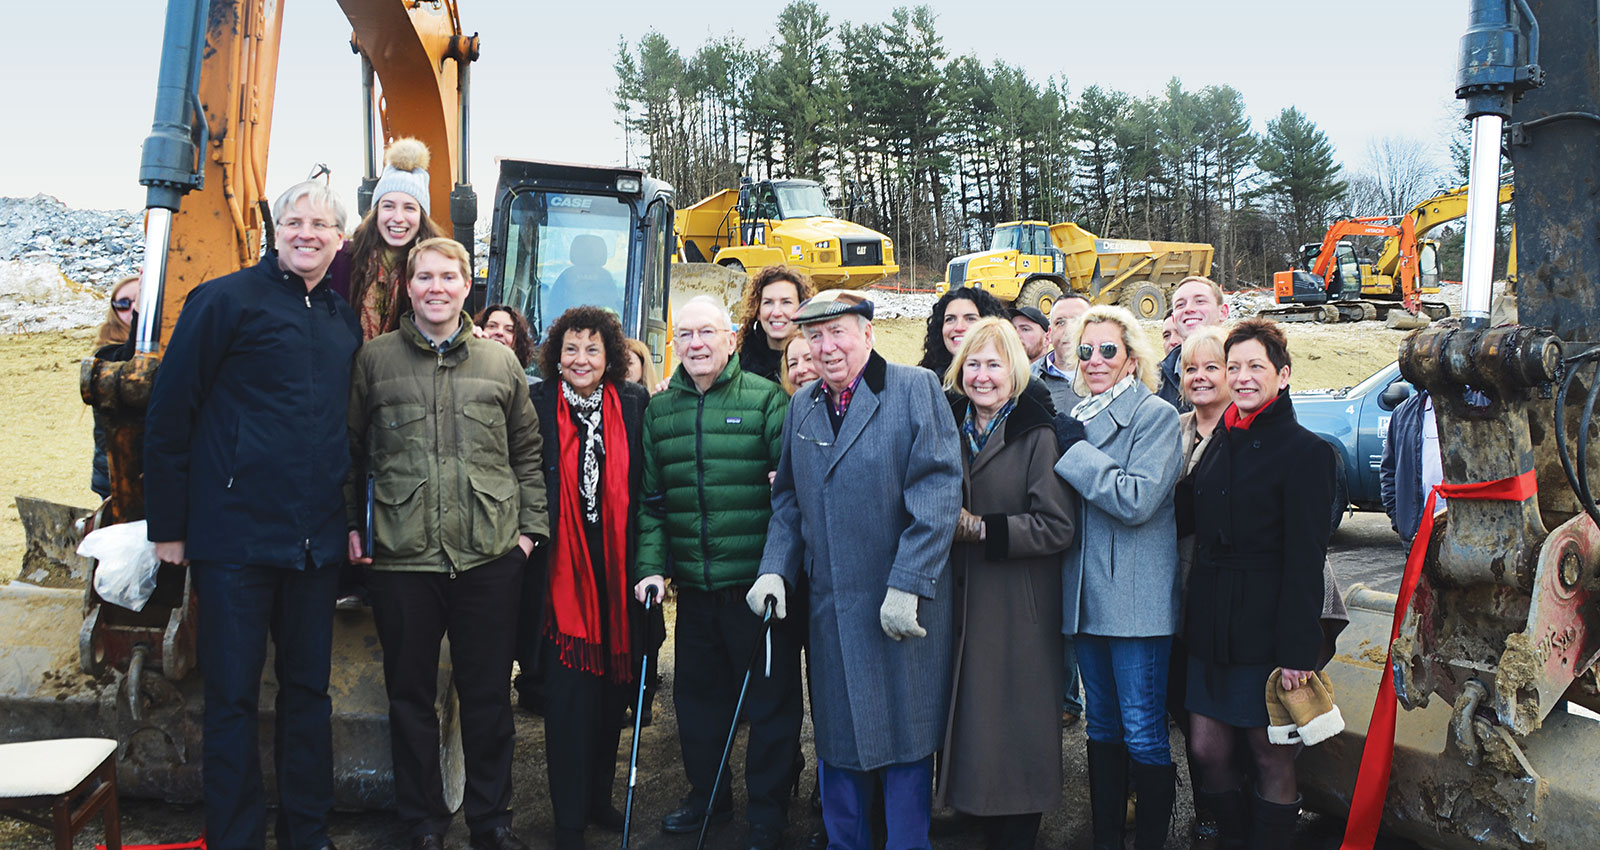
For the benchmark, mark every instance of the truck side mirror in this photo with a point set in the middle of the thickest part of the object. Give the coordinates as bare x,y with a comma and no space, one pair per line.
1395,393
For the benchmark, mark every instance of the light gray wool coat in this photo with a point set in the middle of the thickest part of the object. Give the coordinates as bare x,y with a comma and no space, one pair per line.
853,515
1121,575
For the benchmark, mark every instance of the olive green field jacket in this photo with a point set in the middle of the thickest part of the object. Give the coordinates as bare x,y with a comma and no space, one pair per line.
452,444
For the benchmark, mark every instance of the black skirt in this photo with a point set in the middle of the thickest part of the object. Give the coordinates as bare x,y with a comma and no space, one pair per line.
1235,694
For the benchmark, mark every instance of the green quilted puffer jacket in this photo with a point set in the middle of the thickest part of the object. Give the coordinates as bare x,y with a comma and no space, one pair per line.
706,459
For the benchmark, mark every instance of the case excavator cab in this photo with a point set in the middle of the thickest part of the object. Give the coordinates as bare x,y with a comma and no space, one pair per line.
573,235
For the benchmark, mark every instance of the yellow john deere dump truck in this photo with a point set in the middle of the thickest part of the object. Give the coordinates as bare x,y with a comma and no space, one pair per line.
783,221
1031,263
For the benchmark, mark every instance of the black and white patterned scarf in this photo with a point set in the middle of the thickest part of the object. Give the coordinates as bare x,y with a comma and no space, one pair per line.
587,413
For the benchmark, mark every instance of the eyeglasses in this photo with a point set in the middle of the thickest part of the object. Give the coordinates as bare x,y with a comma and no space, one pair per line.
122,305
1108,351
314,225
686,336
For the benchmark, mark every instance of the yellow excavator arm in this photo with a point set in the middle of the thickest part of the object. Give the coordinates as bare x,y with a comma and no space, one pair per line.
222,57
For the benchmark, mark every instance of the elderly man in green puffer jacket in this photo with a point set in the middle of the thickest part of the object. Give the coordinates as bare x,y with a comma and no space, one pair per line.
711,439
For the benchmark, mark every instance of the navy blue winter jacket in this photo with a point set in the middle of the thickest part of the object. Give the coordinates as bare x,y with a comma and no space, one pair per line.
1400,472
245,442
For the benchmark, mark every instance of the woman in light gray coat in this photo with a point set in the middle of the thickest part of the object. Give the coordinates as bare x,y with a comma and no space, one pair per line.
1122,453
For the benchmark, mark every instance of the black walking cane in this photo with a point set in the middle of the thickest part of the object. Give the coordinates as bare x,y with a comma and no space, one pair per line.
727,749
638,717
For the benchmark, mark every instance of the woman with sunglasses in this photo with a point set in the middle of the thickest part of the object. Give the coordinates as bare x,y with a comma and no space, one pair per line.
1120,597
111,343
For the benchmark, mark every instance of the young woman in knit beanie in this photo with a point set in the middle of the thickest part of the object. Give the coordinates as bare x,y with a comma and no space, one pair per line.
377,250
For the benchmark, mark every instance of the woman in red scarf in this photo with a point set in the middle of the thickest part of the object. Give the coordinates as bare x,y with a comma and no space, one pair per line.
581,631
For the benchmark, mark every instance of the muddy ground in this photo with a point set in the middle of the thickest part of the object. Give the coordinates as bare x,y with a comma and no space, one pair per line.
46,453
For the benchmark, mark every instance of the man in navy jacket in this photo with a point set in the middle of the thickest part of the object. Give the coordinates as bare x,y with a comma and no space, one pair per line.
245,459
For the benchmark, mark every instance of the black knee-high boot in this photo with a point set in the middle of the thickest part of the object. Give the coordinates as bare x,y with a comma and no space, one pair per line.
1108,793
1272,824
1228,809
1156,785
1011,832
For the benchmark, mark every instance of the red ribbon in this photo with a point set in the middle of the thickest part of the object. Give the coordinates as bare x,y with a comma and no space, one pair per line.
1372,782
197,844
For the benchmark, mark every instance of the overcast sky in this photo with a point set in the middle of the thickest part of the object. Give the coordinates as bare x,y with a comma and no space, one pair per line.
80,74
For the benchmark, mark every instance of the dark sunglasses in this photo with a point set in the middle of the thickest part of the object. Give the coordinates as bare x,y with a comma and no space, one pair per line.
1108,351
122,304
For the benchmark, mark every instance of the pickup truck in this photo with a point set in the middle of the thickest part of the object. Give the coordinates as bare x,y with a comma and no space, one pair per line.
1355,421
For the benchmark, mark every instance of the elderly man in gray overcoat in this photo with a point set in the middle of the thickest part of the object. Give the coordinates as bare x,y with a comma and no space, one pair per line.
864,505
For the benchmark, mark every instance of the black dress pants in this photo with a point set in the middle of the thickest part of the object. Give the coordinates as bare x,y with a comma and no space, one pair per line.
716,635
478,610
582,727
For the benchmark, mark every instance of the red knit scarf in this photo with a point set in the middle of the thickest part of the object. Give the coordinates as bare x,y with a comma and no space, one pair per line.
576,611
1233,419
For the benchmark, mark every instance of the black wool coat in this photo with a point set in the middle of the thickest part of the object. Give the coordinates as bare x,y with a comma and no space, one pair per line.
1262,498
535,585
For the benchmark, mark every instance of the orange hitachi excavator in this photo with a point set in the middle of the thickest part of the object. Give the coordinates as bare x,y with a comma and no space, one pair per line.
1330,284
77,665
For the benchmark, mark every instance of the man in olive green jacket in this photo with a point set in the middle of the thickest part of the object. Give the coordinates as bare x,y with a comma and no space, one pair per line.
443,437
710,441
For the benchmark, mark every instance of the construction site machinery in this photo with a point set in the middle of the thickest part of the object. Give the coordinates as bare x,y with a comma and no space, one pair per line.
72,664
1032,263
768,222
1330,284
568,234
1495,650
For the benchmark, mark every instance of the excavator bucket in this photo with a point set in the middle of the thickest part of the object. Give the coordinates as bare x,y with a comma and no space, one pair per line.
55,682
1458,781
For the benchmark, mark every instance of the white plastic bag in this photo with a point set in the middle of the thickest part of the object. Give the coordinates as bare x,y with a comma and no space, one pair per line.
126,574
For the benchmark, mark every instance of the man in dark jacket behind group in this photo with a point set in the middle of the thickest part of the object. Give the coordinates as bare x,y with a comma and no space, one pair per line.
711,440
245,458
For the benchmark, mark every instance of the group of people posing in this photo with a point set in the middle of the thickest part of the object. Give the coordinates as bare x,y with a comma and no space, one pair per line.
950,545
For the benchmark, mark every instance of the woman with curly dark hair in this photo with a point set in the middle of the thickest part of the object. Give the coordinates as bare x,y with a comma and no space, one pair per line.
770,302
581,631
505,324
955,312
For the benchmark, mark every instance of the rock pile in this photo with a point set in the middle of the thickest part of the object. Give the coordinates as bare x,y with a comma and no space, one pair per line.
57,263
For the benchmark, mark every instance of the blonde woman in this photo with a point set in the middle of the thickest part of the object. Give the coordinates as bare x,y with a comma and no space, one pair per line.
1120,598
1002,750
641,368
798,367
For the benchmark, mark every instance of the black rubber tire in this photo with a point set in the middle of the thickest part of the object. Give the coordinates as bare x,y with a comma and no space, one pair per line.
1341,491
1039,293
1146,300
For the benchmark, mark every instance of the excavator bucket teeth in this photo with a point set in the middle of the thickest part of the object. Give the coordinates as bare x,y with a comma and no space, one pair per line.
52,532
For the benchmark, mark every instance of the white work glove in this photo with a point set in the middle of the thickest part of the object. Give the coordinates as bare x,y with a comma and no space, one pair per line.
898,616
770,584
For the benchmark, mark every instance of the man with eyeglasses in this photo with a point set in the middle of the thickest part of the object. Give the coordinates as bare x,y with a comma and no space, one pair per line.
711,439
864,510
245,459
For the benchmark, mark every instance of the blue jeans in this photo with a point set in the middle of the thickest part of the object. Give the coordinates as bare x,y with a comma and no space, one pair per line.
1125,686
240,606
907,805
1069,693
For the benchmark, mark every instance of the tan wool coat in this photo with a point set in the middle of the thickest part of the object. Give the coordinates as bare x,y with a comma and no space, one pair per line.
1002,751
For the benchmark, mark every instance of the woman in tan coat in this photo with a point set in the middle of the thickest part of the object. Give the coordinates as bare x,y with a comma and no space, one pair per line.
1002,752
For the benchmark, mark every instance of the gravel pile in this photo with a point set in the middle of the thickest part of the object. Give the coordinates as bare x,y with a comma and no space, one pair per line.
888,304
57,263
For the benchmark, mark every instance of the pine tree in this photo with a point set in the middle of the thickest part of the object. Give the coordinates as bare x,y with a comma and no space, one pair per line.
1302,177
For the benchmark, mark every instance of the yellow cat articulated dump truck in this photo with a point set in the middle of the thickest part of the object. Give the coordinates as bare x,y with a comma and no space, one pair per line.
766,222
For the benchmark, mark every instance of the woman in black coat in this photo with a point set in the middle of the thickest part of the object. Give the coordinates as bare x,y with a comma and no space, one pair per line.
1262,492
581,633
